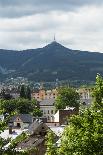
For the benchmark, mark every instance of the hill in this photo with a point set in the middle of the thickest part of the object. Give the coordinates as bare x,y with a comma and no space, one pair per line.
51,62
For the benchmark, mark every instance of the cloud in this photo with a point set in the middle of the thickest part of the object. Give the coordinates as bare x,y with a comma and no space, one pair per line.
32,23
81,29
18,8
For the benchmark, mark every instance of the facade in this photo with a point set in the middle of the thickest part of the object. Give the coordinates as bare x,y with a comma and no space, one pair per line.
48,108
85,95
42,94
62,115
22,121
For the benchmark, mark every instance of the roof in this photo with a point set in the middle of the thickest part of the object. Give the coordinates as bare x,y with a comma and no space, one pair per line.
58,130
47,102
26,118
5,134
35,125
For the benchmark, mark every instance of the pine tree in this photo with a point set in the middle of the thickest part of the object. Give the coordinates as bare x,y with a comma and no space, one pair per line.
23,91
28,93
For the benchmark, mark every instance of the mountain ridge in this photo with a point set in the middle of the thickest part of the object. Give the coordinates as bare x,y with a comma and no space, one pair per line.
51,62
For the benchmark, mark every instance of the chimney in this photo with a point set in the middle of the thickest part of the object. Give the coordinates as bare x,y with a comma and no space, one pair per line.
10,129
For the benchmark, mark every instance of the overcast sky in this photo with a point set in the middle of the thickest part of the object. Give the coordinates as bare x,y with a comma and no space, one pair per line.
77,24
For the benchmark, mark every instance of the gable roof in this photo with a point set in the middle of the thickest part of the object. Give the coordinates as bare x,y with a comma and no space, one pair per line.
47,102
37,124
26,118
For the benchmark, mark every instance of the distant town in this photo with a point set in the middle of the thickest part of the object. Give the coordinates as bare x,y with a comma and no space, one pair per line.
42,117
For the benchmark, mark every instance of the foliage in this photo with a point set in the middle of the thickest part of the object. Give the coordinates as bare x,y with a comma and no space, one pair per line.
28,93
25,92
67,97
2,127
18,139
55,61
20,105
8,105
37,112
84,135
50,143
3,142
25,106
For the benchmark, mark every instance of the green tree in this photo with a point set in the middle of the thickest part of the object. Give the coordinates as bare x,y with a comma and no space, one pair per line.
23,91
8,106
84,134
37,112
67,97
25,106
28,93
20,105
50,144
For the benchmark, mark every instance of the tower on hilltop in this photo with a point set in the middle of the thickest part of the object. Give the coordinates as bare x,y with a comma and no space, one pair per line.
54,38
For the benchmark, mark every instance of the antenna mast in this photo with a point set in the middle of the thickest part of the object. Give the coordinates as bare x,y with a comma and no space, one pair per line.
54,38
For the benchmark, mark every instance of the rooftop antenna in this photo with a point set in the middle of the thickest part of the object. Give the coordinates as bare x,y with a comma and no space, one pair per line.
54,38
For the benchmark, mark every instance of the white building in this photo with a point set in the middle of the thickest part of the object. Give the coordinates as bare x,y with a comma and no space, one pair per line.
85,95
48,108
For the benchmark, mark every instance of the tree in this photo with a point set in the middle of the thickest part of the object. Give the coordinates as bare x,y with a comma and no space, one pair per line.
84,134
28,93
23,91
8,106
37,112
50,143
20,105
67,97
25,106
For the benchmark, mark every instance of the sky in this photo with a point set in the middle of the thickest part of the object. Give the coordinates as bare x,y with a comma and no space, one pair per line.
26,24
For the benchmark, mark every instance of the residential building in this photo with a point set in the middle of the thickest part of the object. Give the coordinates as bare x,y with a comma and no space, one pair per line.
85,95
48,108
22,121
62,115
36,138
42,94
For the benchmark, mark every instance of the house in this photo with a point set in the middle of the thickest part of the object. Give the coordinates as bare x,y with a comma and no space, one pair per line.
38,128
43,119
36,138
42,94
21,121
85,95
48,108
62,115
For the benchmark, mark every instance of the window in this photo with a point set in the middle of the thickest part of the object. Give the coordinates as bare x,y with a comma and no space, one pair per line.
48,118
51,111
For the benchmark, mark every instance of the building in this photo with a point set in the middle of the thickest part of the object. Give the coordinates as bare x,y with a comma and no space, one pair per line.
42,94
36,138
22,121
62,115
48,108
38,127
85,95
